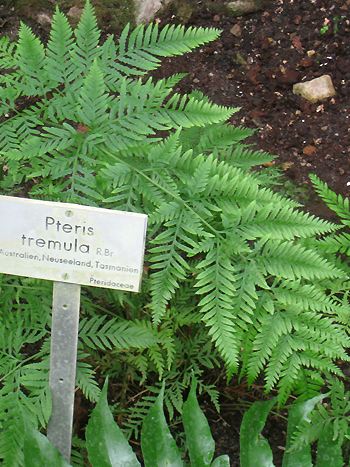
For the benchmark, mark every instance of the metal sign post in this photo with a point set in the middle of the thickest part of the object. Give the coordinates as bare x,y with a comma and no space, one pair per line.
64,342
71,245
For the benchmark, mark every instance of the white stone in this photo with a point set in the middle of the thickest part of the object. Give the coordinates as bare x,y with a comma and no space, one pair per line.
315,90
146,9
43,18
244,7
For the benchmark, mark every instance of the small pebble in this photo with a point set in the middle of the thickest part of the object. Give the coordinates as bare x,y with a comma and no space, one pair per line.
236,30
309,150
43,18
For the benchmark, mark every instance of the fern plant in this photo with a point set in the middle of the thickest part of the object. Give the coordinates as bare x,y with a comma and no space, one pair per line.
323,419
336,243
327,423
335,246
82,121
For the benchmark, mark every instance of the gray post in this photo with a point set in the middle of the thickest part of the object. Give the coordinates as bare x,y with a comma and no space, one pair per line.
64,341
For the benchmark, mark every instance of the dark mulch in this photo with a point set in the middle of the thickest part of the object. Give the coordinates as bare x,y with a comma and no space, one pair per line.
256,69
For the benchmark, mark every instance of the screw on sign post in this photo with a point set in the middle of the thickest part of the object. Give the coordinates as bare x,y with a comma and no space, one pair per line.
71,245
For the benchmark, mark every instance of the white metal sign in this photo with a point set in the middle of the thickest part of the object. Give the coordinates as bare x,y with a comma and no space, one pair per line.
72,243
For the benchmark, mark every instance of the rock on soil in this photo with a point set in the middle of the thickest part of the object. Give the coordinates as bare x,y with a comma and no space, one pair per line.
146,9
315,90
236,30
280,46
244,7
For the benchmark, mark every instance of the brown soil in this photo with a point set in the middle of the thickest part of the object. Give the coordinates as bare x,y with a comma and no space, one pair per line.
254,67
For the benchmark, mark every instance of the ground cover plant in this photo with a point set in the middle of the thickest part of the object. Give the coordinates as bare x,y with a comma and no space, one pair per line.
233,273
107,445
321,421
310,421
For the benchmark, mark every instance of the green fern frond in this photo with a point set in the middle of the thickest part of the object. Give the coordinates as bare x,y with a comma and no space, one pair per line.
59,65
9,86
139,51
125,196
102,333
78,451
216,281
330,413
338,204
156,356
287,339
335,244
137,413
93,99
304,297
243,156
7,53
30,57
169,264
87,38
280,222
11,427
295,262
141,363
86,379
187,112
171,40
166,341
248,278
218,137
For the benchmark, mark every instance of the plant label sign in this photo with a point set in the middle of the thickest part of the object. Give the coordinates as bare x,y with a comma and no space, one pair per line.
71,243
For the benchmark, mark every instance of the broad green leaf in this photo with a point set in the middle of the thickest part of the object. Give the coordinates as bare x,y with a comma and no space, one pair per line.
329,451
254,448
105,442
222,461
297,413
38,450
200,443
158,446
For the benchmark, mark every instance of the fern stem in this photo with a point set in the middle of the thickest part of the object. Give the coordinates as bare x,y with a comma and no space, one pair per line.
17,367
75,170
177,198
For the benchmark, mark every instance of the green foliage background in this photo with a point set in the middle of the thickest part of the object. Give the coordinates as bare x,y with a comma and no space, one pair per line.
234,271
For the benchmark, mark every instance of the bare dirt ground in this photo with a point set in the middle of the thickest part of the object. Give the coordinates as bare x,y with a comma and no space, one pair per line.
254,66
